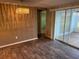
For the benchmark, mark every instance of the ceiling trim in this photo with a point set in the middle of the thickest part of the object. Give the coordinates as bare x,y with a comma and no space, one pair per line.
66,6
22,4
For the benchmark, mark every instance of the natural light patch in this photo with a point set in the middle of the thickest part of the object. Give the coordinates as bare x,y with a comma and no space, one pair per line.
22,10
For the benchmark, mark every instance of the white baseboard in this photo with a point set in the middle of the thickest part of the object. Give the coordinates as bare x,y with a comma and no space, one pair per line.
18,42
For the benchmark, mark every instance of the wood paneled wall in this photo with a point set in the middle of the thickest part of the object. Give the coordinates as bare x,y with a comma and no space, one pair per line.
12,24
50,24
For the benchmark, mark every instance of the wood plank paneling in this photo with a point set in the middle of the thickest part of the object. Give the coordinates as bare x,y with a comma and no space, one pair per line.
13,24
50,24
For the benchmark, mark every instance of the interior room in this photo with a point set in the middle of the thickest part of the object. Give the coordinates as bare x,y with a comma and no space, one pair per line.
39,29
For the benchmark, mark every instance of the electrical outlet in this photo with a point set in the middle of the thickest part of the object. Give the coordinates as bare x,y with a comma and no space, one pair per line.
16,37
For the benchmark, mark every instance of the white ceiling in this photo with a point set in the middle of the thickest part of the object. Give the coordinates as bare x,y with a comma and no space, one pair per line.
41,3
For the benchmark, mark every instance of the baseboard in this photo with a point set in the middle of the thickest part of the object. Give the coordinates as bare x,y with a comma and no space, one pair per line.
18,42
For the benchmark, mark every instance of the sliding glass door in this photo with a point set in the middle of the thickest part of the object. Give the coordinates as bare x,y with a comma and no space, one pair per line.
59,24
62,25
67,25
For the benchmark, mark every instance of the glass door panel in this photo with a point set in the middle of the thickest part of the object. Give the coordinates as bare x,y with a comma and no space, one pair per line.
74,36
67,25
59,25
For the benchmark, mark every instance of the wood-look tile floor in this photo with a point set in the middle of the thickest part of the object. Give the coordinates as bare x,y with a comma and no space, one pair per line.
39,49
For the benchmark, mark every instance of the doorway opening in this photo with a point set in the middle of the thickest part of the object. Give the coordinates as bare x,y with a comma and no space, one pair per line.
41,21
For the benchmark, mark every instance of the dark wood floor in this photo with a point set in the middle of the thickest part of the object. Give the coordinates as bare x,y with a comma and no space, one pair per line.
39,49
